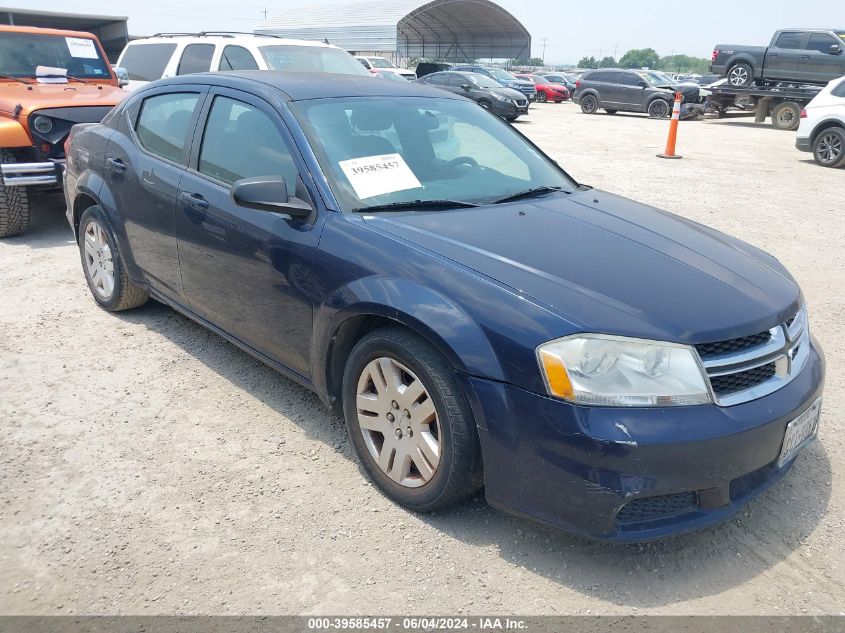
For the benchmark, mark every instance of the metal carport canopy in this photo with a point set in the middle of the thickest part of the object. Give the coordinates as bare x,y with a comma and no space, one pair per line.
451,30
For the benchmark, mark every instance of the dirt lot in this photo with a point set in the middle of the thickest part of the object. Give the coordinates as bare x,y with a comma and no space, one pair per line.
147,466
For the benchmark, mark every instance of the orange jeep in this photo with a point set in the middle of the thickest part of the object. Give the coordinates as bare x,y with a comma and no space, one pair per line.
49,80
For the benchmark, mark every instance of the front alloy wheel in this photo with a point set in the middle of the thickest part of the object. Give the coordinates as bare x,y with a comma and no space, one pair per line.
399,422
409,420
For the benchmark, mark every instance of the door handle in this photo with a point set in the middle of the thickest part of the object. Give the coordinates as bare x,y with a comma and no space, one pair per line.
805,57
193,200
116,165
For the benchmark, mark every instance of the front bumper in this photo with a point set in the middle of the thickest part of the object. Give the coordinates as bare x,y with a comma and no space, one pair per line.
575,467
26,174
509,109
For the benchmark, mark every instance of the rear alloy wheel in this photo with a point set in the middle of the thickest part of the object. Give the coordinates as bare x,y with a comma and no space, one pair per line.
589,104
409,421
829,147
786,116
484,104
542,97
104,270
740,75
658,109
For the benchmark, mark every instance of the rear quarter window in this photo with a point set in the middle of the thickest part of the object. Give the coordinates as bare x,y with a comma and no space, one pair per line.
196,58
146,62
839,91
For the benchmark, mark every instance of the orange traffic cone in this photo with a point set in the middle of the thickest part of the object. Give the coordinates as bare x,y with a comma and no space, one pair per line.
669,152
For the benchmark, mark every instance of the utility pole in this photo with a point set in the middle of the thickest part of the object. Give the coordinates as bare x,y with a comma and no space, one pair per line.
545,43
264,12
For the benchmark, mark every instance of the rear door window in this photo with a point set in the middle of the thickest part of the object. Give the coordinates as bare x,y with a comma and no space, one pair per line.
790,39
237,58
439,79
196,58
146,62
164,122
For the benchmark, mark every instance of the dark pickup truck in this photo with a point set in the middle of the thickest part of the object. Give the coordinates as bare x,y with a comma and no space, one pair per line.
804,56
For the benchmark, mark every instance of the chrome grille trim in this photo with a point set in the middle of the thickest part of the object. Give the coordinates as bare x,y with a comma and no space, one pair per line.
788,347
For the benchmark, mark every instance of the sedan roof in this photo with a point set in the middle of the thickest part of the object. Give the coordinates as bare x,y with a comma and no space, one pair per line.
301,86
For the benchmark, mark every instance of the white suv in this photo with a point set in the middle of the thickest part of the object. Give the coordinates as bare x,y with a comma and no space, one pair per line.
822,128
167,55
382,65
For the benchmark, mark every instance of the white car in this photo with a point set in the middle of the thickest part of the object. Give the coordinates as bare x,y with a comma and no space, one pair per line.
822,128
383,65
149,58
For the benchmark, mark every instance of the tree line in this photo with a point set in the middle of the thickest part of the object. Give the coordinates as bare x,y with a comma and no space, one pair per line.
649,58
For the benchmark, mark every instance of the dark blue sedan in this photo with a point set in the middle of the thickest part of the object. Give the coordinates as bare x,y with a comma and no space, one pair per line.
477,316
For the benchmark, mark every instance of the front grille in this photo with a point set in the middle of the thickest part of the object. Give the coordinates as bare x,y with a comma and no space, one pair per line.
756,365
747,379
655,508
733,345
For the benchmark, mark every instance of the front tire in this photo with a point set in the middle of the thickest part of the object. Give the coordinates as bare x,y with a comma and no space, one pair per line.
14,203
542,97
829,147
740,74
103,266
659,109
409,421
589,104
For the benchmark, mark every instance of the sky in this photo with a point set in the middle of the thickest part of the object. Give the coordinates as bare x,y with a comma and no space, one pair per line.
572,29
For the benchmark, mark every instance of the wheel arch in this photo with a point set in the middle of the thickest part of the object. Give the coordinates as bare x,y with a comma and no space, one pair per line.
741,58
395,302
83,201
825,125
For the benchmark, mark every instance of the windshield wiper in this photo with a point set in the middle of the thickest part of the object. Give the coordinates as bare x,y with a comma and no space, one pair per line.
56,76
13,78
528,193
413,205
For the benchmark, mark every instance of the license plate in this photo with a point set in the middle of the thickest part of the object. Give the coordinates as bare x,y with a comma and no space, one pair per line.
800,432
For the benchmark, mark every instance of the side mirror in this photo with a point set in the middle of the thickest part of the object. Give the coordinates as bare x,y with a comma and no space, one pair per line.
122,76
466,87
269,193
835,49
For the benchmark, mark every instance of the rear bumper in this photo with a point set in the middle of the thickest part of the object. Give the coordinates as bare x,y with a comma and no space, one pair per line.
26,174
576,468
803,144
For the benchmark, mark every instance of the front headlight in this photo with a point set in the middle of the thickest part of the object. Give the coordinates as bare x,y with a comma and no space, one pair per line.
599,369
42,124
500,97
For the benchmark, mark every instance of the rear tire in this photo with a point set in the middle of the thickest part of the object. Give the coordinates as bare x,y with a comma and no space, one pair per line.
589,104
611,111
786,116
740,74
14,203
103,266
542,97
414,408
829,147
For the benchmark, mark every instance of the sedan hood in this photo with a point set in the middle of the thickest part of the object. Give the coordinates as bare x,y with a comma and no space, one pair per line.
510,93
608,264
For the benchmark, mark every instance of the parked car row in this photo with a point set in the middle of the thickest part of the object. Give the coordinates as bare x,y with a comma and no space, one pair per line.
341,209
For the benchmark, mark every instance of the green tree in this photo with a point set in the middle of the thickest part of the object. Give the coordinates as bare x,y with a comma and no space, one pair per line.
640,58
607,62
535,61
684,64
588,62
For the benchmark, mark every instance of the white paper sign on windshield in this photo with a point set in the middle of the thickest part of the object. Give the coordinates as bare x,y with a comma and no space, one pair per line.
82,47
377,175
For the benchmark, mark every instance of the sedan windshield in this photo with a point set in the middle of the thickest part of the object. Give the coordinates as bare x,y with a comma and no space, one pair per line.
321,59
483,81
500,74
22,53
376,152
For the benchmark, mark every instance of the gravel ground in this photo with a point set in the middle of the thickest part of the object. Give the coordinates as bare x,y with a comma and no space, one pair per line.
149,467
